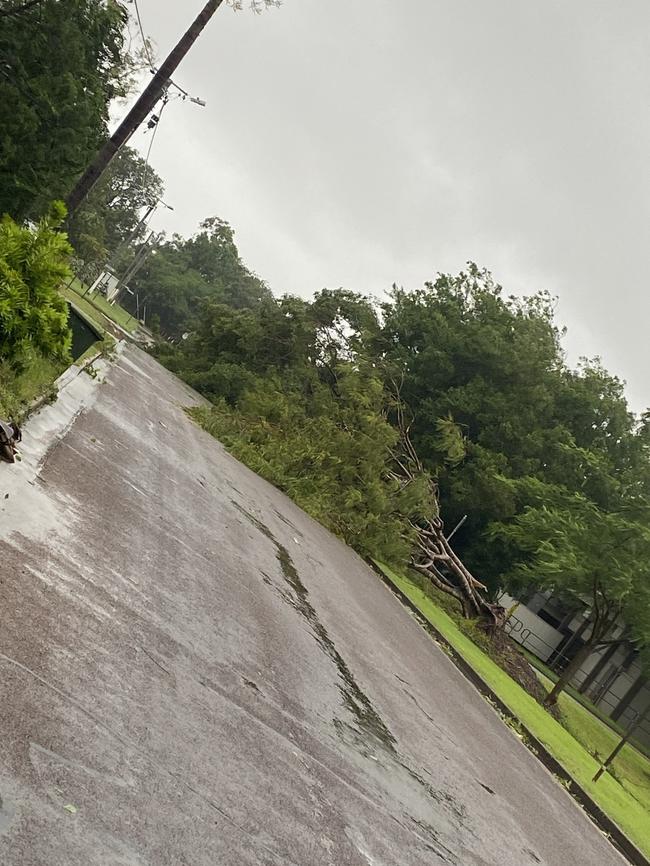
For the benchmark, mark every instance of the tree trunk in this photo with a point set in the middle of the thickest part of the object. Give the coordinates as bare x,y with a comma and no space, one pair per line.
433,555
629,696
567,674
597,669
434,558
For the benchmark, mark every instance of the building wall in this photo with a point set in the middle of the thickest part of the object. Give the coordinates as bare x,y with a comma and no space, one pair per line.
611,684
530,630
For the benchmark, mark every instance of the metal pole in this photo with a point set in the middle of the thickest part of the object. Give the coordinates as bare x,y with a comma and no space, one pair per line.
143,107
635,724
458,526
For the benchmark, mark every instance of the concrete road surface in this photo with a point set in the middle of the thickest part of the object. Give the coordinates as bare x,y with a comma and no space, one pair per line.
194,672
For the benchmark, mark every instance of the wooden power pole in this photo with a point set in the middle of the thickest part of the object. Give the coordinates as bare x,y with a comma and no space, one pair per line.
141,110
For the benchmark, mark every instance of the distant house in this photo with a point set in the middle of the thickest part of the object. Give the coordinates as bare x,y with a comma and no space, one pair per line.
611,677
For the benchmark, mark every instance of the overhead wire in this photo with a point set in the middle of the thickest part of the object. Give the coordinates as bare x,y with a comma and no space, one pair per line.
145,41
152,66
153,139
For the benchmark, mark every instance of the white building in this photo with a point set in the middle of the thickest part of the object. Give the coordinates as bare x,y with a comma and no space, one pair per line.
611,677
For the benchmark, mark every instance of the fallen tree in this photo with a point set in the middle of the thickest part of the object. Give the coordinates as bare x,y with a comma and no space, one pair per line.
433,555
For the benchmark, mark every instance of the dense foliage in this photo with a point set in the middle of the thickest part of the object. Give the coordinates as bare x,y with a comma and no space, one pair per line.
182,273
33,314
61,63
495,365
304,410
547,462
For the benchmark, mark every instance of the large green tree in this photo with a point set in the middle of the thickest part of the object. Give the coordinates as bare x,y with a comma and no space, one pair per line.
596,559
494,364
111,217
185,272
61,64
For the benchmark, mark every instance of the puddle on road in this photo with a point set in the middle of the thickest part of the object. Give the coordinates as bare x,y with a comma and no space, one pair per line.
369,727
356,701
287,522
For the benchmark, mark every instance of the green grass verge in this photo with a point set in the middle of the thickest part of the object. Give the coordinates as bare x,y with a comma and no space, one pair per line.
630,768
18,391
627,804
96,303
546,674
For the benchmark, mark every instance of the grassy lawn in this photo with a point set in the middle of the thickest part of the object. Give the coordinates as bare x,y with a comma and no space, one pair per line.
627,801
92,304
18,391
630,768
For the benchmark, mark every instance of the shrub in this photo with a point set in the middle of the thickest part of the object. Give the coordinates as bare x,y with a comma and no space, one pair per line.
33,314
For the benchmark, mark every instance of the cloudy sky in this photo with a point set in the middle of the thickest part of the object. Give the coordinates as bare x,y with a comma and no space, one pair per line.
359,143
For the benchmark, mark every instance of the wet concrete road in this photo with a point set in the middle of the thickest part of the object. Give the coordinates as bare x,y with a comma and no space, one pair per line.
194,672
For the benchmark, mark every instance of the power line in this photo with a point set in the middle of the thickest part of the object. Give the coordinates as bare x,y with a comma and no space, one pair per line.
152,65
145,42
153,138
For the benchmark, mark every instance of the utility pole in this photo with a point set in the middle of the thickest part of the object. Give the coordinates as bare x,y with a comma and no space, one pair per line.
124,244
143,254
143,107
136,231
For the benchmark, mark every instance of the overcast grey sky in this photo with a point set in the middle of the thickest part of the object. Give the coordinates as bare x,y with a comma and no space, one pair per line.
359,143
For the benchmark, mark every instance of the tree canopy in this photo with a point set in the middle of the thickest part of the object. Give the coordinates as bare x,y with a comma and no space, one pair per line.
109,219
182,273
61,63
539,456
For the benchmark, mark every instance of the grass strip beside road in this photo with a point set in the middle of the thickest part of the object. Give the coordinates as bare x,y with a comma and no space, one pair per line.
96,303
631,814
630,768
545,674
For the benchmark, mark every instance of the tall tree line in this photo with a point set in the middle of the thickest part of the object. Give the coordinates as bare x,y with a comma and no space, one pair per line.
545,462
62,62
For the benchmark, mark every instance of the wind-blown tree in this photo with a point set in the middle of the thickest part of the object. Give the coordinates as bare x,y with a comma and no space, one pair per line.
299,400
431,552
328,450
61,64
110,217
587,556
494,415
494,364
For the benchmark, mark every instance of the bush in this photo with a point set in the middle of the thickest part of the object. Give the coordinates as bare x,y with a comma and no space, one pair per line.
33,314
327,452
